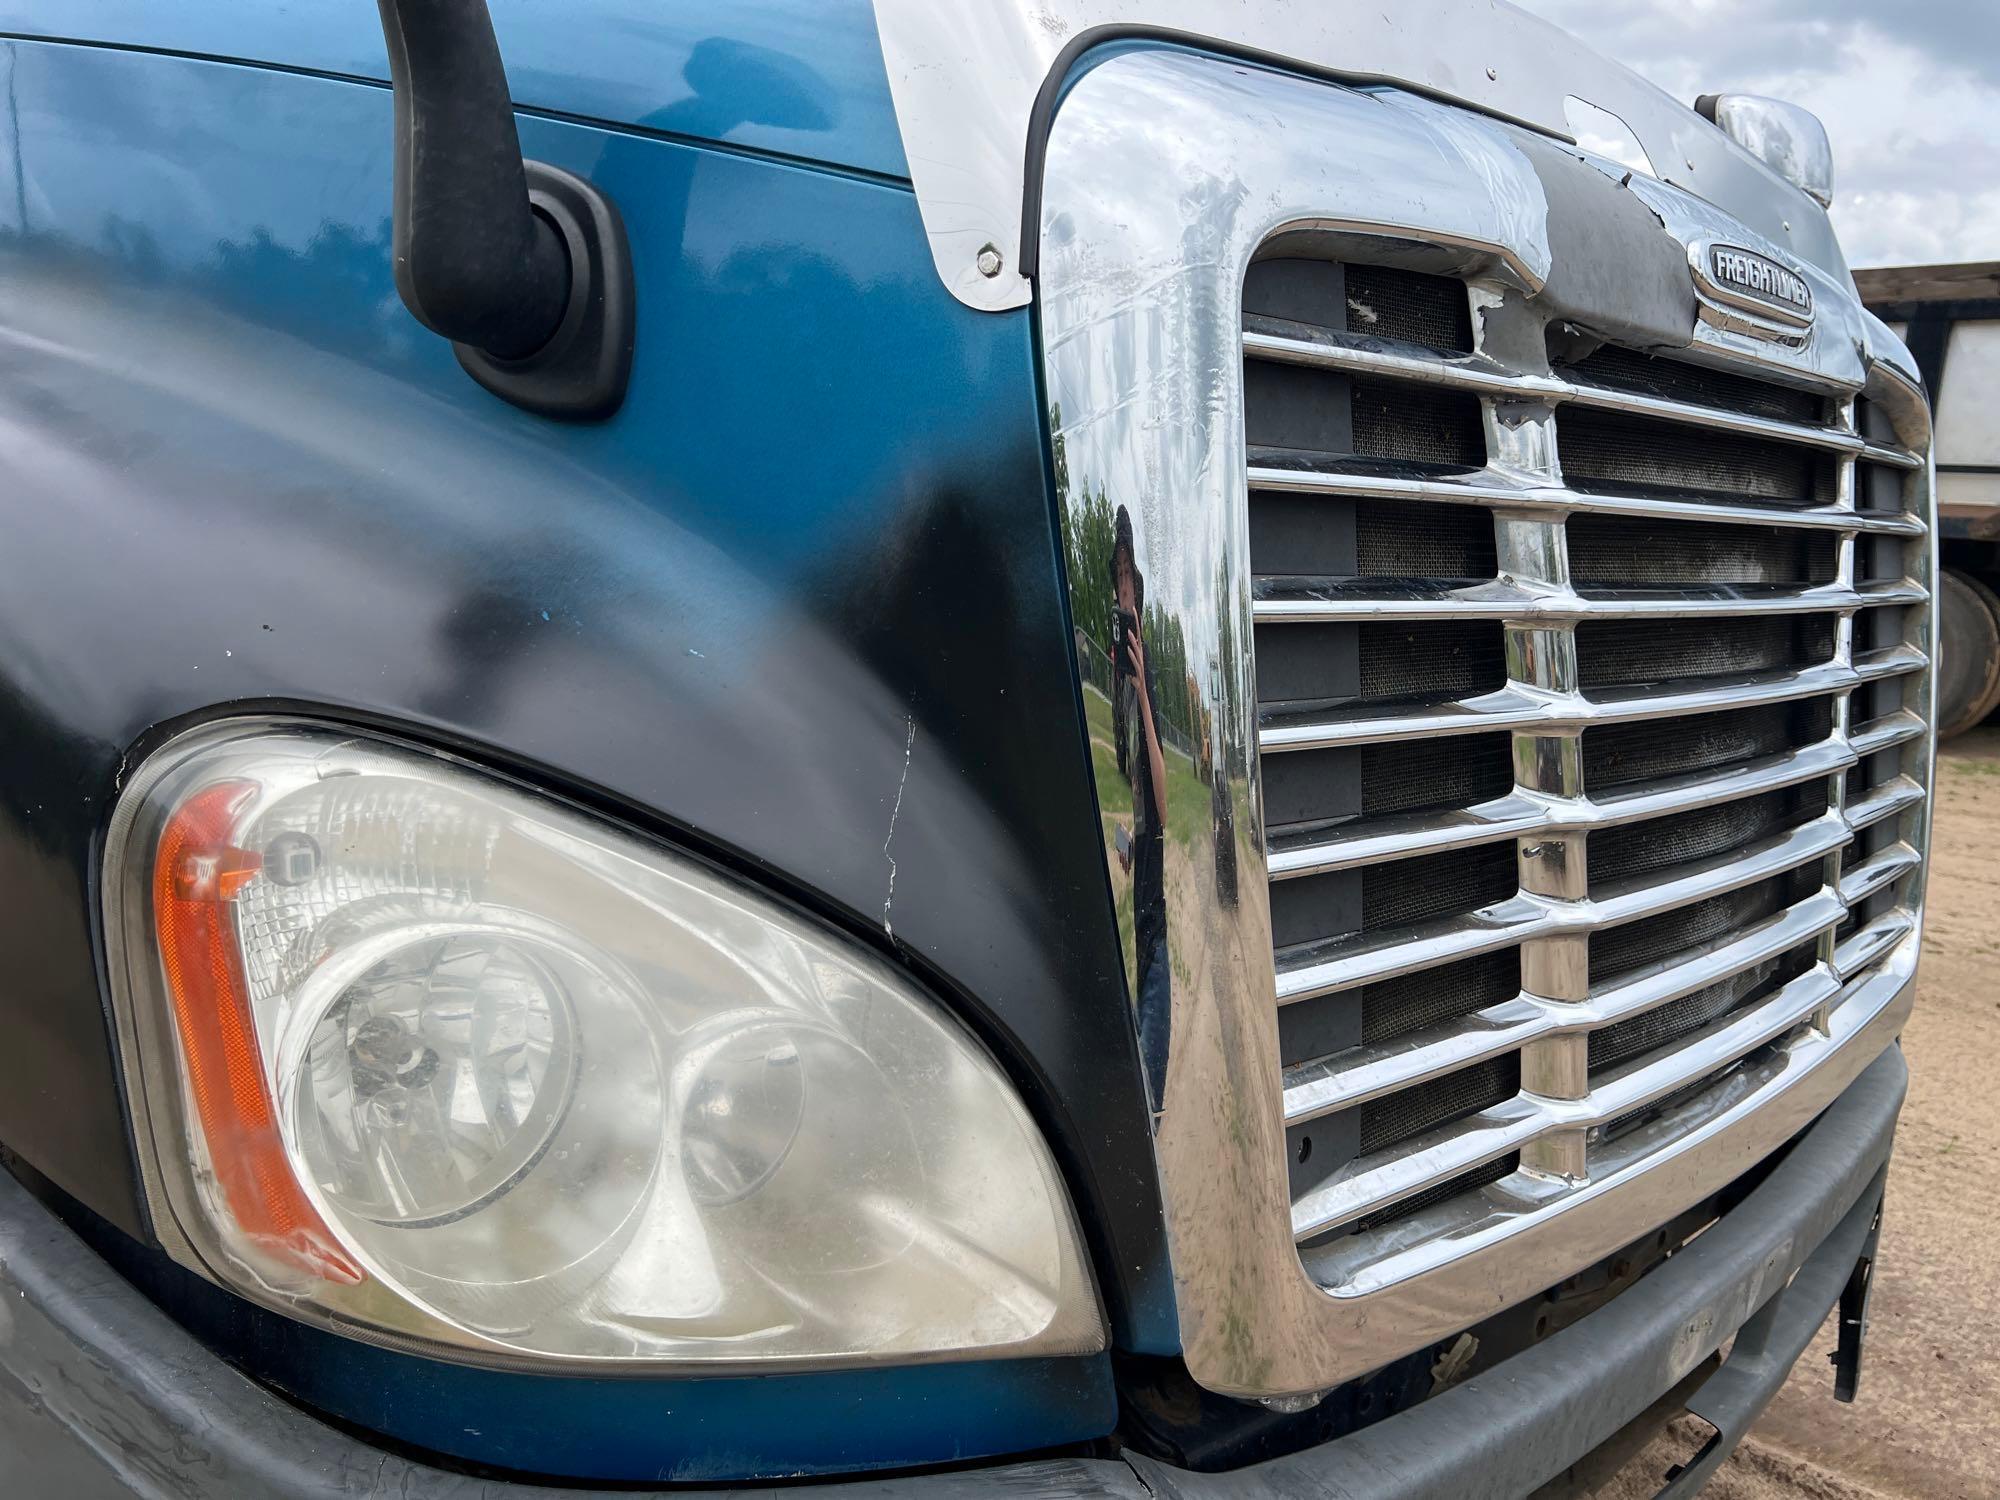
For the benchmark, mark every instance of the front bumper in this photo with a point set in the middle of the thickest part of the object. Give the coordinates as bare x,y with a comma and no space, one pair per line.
102,1394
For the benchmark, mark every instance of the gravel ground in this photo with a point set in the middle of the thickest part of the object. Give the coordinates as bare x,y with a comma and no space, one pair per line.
1925,1425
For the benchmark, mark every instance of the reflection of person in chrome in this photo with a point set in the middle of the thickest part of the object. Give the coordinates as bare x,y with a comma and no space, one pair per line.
1144,853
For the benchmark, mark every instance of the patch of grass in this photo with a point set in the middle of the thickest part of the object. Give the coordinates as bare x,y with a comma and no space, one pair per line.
1189,807
1114,806
1096,712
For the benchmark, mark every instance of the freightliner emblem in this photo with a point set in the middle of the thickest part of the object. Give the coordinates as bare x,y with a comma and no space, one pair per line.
1756,283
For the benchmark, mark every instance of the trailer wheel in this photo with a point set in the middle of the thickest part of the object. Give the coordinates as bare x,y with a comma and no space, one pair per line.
1968,679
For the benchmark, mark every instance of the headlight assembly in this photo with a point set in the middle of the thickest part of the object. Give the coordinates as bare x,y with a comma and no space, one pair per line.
422,1056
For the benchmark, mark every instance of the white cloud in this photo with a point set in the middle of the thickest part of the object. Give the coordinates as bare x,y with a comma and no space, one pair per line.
1910,96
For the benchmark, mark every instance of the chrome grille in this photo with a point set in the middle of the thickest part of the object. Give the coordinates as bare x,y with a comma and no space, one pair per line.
1441,744
1658,619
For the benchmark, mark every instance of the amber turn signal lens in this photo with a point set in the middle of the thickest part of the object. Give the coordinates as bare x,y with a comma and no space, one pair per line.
197,874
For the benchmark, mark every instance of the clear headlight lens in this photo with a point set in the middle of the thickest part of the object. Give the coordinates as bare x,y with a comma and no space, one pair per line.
429,1058
436,1079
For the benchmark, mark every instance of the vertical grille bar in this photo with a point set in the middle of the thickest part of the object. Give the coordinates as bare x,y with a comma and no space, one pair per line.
1534,551
1827,947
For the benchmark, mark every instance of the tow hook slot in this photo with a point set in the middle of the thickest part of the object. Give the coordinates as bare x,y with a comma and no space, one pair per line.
1854,1298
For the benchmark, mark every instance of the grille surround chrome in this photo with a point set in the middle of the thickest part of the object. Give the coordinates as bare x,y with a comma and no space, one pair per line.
1144,248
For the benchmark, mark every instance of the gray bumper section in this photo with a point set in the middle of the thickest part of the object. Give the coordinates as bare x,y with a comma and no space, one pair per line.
102,1394
1505,1433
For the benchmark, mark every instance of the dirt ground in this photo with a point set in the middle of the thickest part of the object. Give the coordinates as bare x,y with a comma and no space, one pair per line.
1927,1424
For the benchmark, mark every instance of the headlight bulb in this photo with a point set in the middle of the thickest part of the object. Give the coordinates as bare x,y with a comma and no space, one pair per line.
436,1079
745,1099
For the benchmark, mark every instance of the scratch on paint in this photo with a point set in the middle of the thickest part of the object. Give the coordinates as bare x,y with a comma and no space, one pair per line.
889,896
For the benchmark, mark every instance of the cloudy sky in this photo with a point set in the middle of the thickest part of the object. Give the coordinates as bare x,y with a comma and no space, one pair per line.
1909,91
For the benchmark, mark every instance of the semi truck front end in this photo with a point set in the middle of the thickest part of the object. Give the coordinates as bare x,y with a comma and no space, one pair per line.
1074,749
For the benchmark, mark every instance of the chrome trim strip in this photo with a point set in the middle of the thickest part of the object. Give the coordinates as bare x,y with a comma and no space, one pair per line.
1493,490
1517,707
1660,408
1863,949
1331,1084
1448,1267
1900,458
1886,801
1523,814
1289,855
1383,359
1282,601
1326,1086
1881,869
1899,728
1389,359
1372,1183
1343,963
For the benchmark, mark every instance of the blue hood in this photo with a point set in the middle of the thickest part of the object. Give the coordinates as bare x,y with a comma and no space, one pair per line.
797,78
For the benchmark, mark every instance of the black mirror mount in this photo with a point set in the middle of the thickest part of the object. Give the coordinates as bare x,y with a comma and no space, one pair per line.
524,267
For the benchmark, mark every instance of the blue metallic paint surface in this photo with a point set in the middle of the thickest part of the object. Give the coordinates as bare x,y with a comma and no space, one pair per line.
683,1431
234,473
800,78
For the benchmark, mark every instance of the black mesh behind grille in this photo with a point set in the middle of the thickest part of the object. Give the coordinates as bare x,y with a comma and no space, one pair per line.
1384,1123
1420,425
1397,1117
1620,754
1610,452
1411,306
1396,1007
1432,661
1411,890
1465,1182
1689,929
1636,849
1612,552
1385,661
1333,537
1630,652
1393,1008
1318,786
1414,540
1435,774
1314,907
1301,413
1680,1018
1643,1033
1629,370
